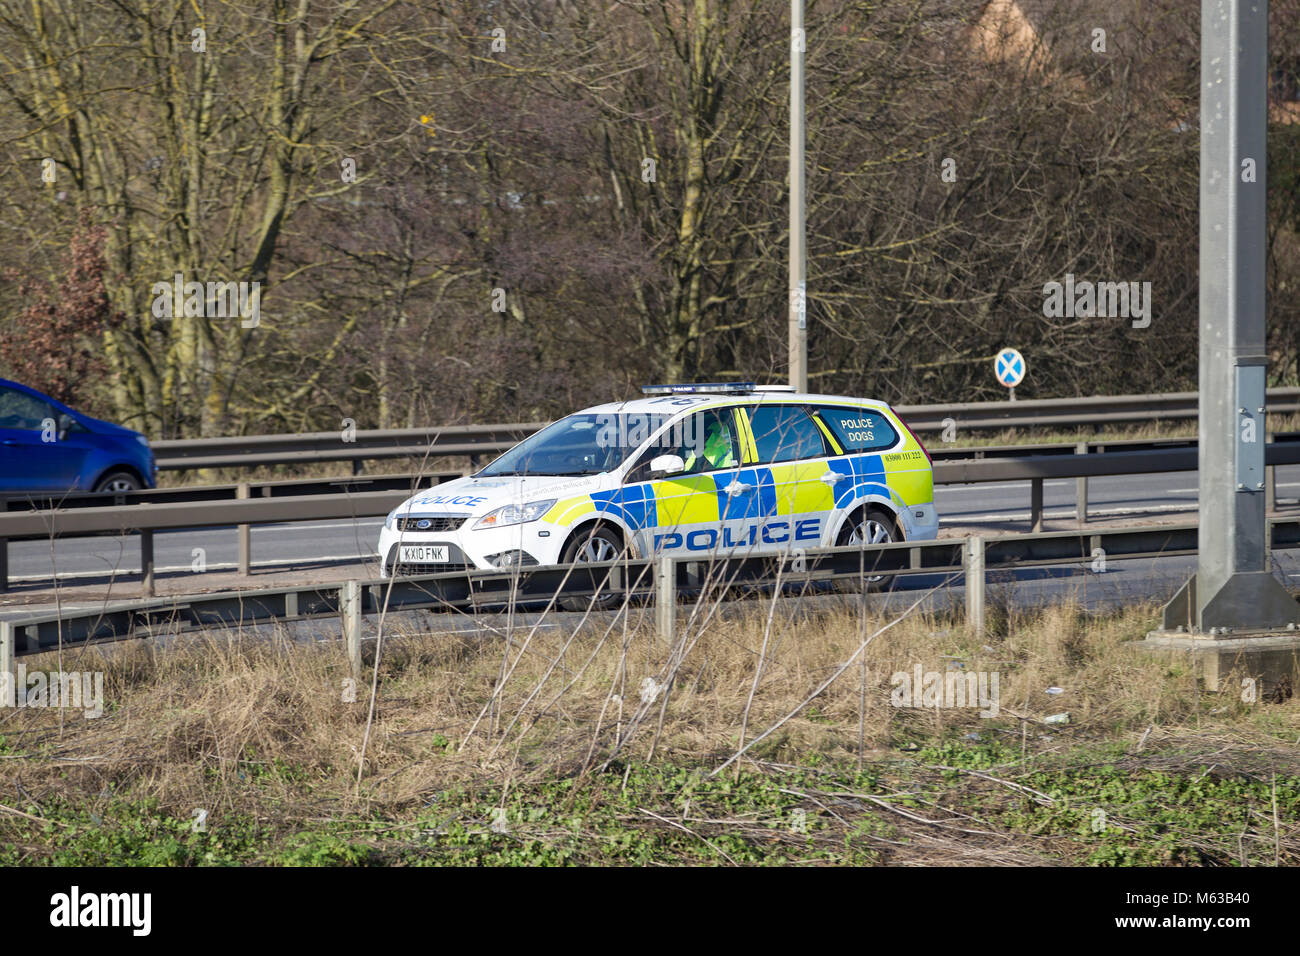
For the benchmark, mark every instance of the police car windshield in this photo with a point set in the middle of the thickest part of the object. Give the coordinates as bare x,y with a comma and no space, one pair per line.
578,445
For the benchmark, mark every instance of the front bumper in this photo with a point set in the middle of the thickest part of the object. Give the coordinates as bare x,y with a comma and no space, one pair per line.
538,542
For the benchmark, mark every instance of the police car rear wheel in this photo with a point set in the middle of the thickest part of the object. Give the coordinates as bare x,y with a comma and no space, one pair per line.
602,544
872,526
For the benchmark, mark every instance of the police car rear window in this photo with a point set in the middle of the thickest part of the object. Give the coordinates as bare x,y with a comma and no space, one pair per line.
859,429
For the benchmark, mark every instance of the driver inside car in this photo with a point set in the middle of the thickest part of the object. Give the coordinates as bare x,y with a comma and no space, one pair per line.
717,450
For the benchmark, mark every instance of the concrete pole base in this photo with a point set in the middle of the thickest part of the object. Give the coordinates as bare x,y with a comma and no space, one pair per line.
1248,599
1270,657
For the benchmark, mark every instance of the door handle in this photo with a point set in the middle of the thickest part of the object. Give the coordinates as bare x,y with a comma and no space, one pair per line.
738,488
833,477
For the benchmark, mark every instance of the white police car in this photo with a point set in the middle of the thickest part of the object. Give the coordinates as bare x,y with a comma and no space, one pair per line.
705,470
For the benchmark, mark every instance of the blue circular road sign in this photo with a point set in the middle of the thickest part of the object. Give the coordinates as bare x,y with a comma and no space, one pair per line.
1009,367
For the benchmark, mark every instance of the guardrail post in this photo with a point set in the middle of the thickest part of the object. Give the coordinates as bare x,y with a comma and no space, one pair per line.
146,562
665,599
4,565
1081,487
1036,504
6,655
1270,480
974,561
350,612
245,536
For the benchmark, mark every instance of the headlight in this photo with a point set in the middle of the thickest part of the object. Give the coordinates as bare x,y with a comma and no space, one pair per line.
388,522
142,440
514,514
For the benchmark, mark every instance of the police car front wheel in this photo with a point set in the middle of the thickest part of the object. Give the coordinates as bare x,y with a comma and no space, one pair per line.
600,544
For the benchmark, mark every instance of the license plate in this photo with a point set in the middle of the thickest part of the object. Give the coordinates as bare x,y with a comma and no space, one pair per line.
424,554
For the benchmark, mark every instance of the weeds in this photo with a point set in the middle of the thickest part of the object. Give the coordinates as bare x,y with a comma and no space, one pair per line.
605,745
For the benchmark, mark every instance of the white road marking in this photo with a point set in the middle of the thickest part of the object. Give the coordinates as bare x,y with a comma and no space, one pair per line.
1009,485
1063,513
356,522
1184,491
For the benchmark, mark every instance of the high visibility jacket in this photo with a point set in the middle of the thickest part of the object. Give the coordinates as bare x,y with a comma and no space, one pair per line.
717,450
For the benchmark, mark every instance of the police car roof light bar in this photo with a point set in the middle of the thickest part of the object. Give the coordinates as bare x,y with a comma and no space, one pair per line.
726,388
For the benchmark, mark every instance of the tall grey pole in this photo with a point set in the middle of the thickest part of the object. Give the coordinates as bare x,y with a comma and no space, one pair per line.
1233,586
798,298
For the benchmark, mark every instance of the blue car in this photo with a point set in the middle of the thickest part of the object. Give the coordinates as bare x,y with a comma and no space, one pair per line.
47,448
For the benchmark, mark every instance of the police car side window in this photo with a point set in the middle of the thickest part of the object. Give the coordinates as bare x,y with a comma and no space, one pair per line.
641,470
705,441
785,433
859,429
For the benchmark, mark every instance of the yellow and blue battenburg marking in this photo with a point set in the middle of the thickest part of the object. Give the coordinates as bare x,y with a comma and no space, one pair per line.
634,505
902,477
785,489
864,475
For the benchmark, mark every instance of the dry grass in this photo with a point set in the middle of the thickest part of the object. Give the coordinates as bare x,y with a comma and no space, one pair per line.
256,726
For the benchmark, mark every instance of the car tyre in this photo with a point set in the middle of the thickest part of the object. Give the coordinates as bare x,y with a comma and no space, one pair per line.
869,526
117,482
589,546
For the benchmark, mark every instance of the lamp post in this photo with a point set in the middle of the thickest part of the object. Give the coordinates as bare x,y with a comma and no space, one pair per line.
798,296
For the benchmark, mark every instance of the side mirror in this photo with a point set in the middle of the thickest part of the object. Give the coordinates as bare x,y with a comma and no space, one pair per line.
667,465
